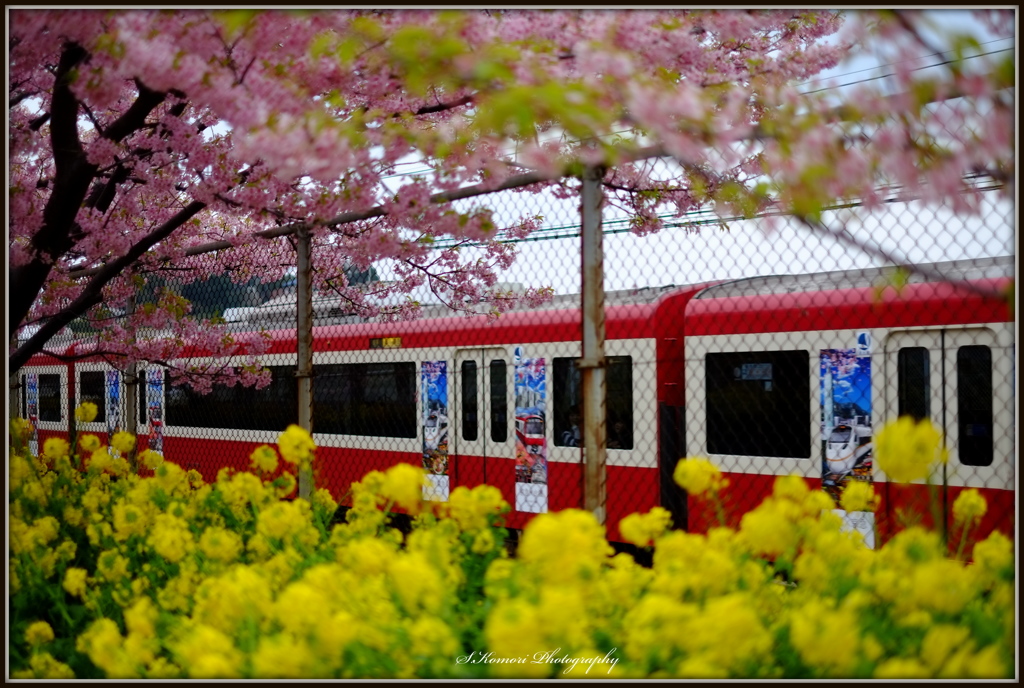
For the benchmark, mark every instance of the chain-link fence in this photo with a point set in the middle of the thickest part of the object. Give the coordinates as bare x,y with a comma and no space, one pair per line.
769,345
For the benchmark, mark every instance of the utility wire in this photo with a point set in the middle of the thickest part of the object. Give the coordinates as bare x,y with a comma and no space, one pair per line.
893,64
915,69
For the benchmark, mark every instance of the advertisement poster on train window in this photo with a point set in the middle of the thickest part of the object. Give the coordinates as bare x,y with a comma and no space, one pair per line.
32,410
846,427
434,397
531,442
113,404
155,408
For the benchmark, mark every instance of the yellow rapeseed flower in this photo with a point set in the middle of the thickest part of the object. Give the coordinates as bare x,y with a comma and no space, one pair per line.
940,642
150,459
55,448
296,445
43,665
943,585
141,617
33,492
643,529
816,631
284,485
220,544
902,667
419,585
511,630
969,506
566,546
206,652
264,459
86,412
770,529
120,466
287,521
994,554
21,428
171,477
791,487
283,657
859,496
129,520
698,476
473,509
100,460
21,471
112,566
242,595
123,442
907,450
89,443
38,633
323,499
75,581
403,485
171,538
729,633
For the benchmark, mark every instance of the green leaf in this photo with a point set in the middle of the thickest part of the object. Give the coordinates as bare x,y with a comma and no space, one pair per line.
235,21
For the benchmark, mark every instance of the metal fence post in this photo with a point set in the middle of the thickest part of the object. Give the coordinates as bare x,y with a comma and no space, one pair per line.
131,397
304,332
592,363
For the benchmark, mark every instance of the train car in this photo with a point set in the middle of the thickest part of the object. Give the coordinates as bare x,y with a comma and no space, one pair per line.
787,375
758,375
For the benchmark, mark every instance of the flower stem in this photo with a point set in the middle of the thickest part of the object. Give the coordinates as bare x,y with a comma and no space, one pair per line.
963,538
719,510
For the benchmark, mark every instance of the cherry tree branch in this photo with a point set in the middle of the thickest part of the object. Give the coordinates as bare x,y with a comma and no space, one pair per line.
92,294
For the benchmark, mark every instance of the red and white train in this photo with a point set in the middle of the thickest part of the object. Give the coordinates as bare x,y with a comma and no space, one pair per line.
766,376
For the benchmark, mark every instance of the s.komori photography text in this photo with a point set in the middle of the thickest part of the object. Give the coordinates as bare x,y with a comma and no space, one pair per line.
548,657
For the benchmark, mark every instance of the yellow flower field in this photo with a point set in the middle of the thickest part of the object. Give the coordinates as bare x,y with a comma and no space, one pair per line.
117,576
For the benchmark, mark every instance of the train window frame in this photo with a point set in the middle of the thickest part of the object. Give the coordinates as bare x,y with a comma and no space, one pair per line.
498,412
101,400
62,373
725,443
141,406
971,453
469,392
413,421
902,375
561,407
211,428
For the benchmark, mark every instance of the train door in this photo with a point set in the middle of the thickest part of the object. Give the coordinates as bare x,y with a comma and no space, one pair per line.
479,434
952,376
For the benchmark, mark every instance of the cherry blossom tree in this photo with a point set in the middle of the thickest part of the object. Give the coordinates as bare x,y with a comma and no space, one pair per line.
139,139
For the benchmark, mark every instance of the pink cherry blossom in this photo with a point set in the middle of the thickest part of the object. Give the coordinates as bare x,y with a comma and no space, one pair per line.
139,136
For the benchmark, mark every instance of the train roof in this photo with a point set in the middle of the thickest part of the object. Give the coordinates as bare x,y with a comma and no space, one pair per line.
950,271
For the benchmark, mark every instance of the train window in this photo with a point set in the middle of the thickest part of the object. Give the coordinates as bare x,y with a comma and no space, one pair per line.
141,394
91,387
974,398
762,414
913,386
568,393
499,401
470,420
237,408
619,413
568,398
49,399
366,399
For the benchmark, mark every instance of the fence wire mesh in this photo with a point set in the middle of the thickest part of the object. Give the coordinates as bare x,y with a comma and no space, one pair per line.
767,345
